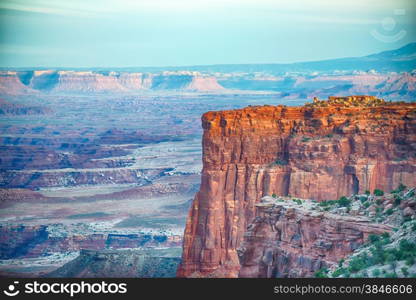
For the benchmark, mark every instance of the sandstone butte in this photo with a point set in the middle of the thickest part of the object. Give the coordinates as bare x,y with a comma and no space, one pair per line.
319,151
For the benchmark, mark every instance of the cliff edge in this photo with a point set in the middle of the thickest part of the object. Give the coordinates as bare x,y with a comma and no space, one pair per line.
321,151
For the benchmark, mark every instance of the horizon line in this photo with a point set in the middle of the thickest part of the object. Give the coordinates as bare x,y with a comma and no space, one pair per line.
201,65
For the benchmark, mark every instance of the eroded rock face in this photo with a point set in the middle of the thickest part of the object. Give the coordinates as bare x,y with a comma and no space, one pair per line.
122,264
288,240
18,241
308,152
12,82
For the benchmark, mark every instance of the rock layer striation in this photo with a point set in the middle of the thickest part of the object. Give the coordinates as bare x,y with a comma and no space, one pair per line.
311,152
291,240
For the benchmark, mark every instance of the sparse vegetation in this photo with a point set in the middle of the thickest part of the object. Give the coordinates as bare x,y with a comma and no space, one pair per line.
344,201
376,273
397,200
380,255
298,201
327,203
322,273
338,272
399,189
389,254
389,211
378,192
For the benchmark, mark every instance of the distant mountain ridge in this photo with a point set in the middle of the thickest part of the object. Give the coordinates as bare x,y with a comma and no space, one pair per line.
389,74
399,60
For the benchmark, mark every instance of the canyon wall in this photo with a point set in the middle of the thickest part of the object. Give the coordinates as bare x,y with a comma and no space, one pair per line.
18,241
121,264
310,152
295,86
288,240
34,82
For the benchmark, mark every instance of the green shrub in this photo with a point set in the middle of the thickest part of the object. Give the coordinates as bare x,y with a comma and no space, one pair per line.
344,201
298,201
389,211
385,235
367,192
364,274
407,246
397,200
274,195
372,238
391,257
363,199
357,263
327,203
405,271
367,204
347,274
322,273
377,254
376,272
401,187
338,272
378,192
410,261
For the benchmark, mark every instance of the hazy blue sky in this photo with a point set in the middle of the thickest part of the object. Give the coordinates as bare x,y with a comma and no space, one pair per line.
94,33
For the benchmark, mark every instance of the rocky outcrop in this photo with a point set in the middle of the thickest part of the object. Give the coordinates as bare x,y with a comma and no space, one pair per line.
311,152
8,108
122,264
55,178
292,86
10,196
19,241
353,236
288,239
12,82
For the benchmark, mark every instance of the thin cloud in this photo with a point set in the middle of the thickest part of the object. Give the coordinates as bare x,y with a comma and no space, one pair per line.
96,7
50,8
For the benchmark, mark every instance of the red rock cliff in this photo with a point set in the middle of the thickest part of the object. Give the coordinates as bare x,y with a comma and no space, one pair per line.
315,152
292,240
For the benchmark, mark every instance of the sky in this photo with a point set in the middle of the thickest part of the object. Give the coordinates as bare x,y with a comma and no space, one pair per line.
128,33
